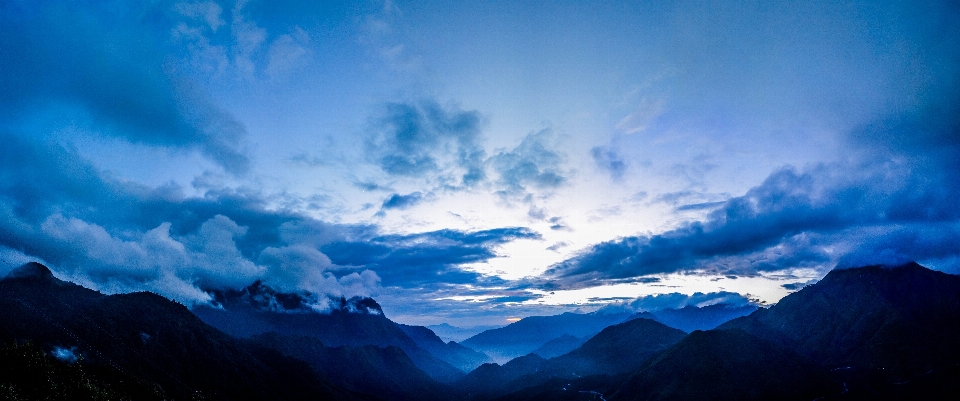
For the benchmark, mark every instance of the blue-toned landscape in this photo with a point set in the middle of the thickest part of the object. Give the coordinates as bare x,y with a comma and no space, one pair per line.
500,200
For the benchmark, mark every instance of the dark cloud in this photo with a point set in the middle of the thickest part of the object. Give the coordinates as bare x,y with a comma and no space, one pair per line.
426,139
425,258
798,285
397,201
878,212
533,164
104,66
690,200
370,186
610,161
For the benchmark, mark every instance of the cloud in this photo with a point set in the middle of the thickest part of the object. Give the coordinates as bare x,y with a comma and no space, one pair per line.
794,219
397,201
675,300
120,237
287,52
428,140
533,164
425,258
208,12
798,285
65,60
608,160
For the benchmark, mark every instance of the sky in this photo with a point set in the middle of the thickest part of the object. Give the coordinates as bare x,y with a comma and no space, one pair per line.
473,162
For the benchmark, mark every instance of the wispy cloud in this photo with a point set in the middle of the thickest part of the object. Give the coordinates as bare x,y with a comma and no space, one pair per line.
533,165
426,140
609,160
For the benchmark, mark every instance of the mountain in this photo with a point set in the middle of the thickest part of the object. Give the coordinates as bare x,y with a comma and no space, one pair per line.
491,379
528,334
461,357
884,331
559,346
458,334
139,344
727,365
259,309
617,349
387,373
904,320
691,318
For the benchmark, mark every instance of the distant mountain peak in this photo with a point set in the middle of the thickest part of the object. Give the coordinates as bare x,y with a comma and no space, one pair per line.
32,271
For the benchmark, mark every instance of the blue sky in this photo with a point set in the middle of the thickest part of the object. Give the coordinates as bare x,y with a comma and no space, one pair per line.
470,162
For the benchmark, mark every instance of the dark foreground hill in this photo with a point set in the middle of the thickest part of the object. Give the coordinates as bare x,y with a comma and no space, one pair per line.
386,373
885,330
727,365
136,346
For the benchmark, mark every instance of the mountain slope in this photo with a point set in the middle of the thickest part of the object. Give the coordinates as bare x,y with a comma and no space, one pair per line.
259,309
559,346
149,338
618,349
727,365
490,379
904,319
459,356
691,318
528,334
387,373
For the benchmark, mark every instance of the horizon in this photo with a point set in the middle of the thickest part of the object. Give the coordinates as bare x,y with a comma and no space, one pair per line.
473,164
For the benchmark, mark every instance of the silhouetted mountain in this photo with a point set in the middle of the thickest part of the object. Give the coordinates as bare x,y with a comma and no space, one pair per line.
904,320
387,373
491,379
886,332
528,334
146,339
617,349
727,365
460,357
712,365
690,318
258,309
559,346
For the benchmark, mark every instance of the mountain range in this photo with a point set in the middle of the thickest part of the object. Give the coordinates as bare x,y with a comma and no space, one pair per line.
861,333
526,335
136,346
259,309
